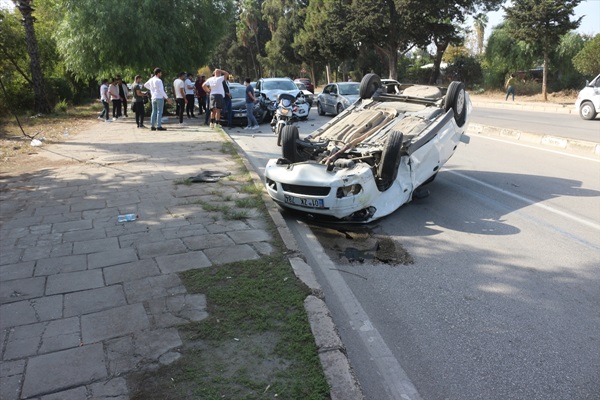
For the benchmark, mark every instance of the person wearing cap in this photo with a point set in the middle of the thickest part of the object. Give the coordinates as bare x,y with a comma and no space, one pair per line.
158,94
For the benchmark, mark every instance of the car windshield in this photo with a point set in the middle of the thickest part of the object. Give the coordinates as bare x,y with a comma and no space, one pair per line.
237,92
349,89
300,86
283,84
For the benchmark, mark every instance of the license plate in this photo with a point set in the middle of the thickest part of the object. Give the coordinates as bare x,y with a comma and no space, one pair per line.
239,115
312,203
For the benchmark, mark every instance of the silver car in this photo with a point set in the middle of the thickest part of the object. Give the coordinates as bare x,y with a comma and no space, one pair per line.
336,97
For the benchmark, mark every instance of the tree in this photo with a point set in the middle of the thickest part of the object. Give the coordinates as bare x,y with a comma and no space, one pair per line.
129,37
542,23
252,32
587,61
37,77
480,23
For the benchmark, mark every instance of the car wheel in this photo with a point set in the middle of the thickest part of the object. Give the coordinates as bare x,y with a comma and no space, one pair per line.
289,149
457,101
320,110
390,160
431,179
278,130
587,111
369,85
339,109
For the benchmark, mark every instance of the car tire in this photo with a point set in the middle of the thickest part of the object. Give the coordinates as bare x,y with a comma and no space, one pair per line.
278,130
390,160
456,100
430,179
369,85
320,110
587,111
339,109
289,149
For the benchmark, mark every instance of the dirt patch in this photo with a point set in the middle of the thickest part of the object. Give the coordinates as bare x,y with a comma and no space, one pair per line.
564,97
361,245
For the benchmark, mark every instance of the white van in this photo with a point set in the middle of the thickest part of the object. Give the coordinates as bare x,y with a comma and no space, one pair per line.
588,99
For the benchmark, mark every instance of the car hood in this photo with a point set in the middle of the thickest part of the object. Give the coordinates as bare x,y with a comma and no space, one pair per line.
272,94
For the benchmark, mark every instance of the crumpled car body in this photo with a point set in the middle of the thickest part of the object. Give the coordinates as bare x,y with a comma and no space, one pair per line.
373,157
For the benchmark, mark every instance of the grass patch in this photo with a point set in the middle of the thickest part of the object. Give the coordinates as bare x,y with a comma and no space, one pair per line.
255,344
186,182
249,202
228,212
251,188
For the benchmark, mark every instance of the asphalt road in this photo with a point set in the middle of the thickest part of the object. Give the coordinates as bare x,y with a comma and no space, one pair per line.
569,126
502,299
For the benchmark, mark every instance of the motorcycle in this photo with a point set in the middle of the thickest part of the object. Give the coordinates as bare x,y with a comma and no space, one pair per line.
289,109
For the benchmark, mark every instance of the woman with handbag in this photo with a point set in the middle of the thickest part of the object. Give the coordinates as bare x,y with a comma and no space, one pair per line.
140,98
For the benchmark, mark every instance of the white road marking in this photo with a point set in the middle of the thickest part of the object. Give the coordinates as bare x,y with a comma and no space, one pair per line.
529,201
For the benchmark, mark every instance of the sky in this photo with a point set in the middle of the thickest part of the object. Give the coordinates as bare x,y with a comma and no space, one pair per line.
590,24
590,9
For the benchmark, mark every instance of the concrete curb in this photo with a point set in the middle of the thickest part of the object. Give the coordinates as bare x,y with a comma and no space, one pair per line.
572,146
536,107
335,363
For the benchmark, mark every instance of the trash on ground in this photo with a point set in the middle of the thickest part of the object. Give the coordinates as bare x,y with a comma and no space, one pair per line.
127,217
36,143
208,176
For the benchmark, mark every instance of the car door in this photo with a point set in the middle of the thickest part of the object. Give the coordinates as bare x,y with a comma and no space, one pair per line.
332,99
324,96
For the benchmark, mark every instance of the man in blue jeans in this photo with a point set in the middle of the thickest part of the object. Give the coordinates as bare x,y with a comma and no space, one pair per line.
157,91
250,100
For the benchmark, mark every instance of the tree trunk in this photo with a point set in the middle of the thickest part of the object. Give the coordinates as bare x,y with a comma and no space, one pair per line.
545,77
392,55
39,88
435,72
328,71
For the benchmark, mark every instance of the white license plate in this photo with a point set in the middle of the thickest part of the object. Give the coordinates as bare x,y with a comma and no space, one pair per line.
239,115
312,203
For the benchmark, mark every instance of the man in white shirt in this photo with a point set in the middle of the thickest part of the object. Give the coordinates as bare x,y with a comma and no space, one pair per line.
189,95
105,98
178,89
157,91
214,85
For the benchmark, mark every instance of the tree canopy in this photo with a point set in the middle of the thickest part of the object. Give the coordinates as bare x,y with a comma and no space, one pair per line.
587,61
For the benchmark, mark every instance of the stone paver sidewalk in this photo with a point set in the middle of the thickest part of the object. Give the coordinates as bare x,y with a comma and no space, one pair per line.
85,299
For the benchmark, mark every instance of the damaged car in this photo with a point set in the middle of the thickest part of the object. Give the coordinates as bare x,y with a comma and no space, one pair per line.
373,157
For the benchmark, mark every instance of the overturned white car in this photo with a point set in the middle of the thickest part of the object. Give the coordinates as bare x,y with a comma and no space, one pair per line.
374,156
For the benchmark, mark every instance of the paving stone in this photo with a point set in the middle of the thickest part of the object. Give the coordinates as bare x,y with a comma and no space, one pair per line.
177,310
226,226
61,334
165,247
249,236
183,262
40,229
77,366
208,241
79,393
113,257
21,222
11,256
64,218
113,323
74,281
36,253
16,271
138,238
61,265
95,246
88,234
109,389
184,231
155,343
263,248
24,341
51,210
21,289
169,357
87,204
153,287
11,368
69,226
121,356
225,255
48,307
10,387
62,250
131,271
88,301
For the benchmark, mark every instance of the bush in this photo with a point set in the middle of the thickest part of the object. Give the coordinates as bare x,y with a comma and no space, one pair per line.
61,107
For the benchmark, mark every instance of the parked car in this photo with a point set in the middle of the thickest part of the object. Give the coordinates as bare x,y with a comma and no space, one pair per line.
336,97
588,99
307,94
309,86
373,157
238,105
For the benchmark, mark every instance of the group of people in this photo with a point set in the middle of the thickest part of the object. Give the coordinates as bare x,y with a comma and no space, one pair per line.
213,94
